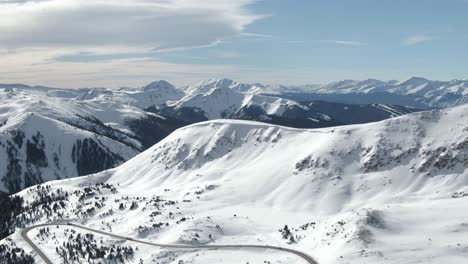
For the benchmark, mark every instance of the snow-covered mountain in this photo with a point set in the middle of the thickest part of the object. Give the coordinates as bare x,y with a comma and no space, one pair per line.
156,93
206,86
394,191
225,98
48,134
224,102
416,92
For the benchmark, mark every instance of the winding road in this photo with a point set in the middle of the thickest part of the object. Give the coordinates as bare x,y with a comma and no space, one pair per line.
24,235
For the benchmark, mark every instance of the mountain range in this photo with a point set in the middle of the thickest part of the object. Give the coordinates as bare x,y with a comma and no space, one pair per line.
51,133
393,191
415,92
48,134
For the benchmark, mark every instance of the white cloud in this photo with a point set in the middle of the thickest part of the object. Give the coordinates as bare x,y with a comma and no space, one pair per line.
158,24
347,42
33,33
34,67
343,42
255,35
417,39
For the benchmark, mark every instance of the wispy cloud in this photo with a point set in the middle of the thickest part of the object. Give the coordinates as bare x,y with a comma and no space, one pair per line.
29,67
417,39
255,35
348,43
114,41
343,42
160,24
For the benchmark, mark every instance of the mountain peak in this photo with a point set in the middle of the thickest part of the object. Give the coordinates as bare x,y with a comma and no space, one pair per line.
208,85
342,84
371,82
223,82
415,81
161,84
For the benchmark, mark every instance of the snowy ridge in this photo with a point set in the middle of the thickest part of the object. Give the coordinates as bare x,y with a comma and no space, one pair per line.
370,148
156,93
48,134
224,98
221,102
415,91
206,86
134,119
387,192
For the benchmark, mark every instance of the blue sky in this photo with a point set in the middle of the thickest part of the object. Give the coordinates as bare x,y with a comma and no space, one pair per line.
331,40
270,41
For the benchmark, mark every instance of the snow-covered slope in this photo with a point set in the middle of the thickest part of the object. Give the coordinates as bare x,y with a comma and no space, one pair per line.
222,102
117,124
388,192
428,144
48,134
223,98
206,86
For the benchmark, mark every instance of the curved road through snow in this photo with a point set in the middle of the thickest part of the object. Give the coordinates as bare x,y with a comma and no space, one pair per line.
24,235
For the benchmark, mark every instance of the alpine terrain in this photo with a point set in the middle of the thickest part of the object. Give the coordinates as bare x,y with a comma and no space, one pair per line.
287,132
416,92
50,133
387,192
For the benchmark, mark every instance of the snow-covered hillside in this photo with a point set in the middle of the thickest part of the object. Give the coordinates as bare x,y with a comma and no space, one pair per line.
388,192
70,129
48,134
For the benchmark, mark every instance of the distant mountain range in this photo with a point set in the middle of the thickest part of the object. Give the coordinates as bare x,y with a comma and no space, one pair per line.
415,92
51,133
393,191
217,99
